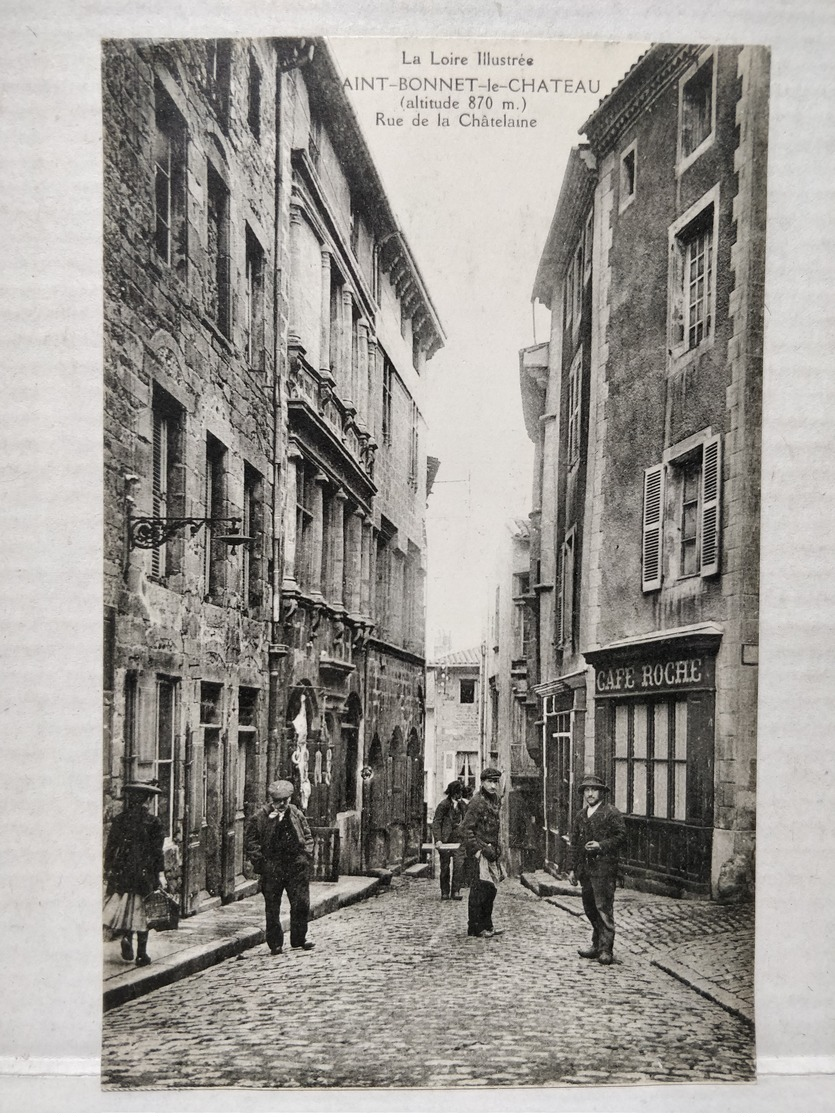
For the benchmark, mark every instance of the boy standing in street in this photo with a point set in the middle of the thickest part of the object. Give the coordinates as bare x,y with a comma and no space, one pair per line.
446,828
596,840
481,841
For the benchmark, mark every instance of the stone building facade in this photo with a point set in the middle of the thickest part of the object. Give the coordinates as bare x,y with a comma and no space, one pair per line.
266,330
646,552
511,735
455,715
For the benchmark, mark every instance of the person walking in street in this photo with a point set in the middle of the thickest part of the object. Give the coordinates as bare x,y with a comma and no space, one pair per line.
481,840
597,837
279,845
446,828
133,868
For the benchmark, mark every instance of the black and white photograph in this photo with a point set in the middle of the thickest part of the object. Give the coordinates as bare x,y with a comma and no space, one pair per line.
431,560
416,531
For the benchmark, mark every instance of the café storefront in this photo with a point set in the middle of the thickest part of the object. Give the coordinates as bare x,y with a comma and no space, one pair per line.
654,710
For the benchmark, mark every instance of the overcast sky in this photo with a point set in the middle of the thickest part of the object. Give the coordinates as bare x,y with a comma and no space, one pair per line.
475,205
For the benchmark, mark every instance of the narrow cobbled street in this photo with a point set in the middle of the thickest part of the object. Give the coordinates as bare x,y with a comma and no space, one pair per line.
396,995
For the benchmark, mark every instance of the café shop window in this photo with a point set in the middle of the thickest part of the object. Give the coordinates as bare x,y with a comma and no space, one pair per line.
650,758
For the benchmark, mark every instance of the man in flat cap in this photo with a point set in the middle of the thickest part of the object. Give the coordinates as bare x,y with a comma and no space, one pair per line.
597,837
480,829
446,830
279,846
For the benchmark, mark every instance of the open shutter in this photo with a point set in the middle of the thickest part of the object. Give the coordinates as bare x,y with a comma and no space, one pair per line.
158,485
710,505
560,602
567,615
652,528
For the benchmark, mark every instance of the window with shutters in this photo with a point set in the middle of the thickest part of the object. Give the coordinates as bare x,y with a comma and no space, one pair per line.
218,290
167,481
653,527
215,551
170,148
305,473
573,287
565,603
575,387
165,748
697,110
682,513
466,692
388,376
254,308
693,279
253,526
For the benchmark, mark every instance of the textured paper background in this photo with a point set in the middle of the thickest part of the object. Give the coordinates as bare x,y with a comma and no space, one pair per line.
50,519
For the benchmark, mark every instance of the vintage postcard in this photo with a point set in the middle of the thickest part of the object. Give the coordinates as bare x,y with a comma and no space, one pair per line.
432,423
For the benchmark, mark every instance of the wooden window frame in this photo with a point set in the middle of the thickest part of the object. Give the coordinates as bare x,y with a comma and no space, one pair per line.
170,155
628,178
685,235
686,156
255,304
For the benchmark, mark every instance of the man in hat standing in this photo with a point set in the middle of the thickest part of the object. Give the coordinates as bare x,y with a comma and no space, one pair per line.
481,841
597,837
446,828
279,846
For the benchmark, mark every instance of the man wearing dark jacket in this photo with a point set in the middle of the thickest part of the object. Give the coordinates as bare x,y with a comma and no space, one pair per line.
597,837
446,828
279,846
481,841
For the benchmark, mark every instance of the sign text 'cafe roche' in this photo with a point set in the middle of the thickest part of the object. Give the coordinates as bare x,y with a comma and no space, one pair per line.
687,673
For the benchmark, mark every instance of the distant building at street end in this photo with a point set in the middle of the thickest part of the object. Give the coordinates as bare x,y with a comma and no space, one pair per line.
512,736
266,336
645,411
454,723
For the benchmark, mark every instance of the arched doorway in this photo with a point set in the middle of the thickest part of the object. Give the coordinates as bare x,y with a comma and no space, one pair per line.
350,798
414,791
398,816
376,795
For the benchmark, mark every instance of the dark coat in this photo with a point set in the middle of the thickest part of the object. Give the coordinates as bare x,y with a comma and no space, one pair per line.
133,856
480,827
259,834
605,826
449,815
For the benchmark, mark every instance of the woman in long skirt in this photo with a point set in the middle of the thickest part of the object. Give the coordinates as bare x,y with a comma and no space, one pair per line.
133,867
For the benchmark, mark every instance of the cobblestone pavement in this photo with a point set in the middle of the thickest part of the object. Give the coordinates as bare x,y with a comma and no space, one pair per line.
396,994
715,941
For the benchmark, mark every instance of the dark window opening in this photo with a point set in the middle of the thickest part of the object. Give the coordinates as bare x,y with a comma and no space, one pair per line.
170,146
697,109
254,111
218,278
467,691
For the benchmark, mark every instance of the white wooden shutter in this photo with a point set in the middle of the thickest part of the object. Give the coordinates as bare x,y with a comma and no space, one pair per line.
710,506
449,767
653,525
